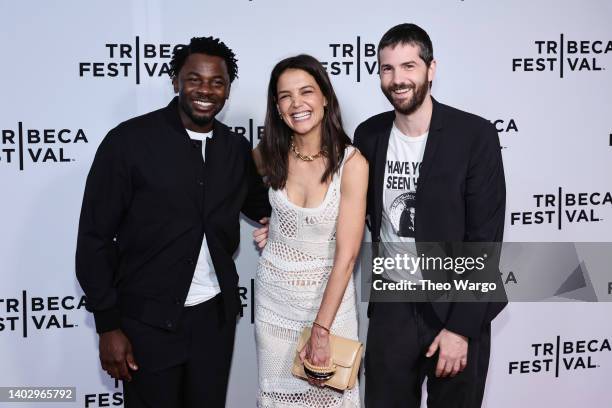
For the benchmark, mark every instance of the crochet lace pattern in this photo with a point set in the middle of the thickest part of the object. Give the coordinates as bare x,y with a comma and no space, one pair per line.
291,276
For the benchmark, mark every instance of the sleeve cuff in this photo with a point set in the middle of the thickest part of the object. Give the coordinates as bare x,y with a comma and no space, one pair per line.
107,320
467,319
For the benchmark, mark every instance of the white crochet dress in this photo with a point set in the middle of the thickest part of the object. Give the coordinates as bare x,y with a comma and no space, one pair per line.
291,277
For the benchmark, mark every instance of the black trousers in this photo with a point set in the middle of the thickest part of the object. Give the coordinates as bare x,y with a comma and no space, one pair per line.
399,335
188,368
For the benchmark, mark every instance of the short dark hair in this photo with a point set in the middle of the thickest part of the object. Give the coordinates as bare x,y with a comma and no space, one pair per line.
412,34
276,139
208,46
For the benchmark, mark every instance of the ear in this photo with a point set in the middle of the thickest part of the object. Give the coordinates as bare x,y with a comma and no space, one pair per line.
431,71
324,102
175,84
229,88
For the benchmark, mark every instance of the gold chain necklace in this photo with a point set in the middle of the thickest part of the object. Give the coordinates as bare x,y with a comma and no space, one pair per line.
306,157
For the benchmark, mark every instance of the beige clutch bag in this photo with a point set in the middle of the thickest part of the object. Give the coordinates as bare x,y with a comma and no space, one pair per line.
346,358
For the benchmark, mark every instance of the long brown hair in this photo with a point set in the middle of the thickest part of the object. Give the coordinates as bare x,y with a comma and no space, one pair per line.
276,139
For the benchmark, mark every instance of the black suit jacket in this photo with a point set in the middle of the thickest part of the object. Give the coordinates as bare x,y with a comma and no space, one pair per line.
149,199
460,193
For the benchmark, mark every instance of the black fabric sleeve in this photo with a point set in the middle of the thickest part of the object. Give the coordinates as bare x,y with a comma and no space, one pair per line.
256,205
485,197
106,199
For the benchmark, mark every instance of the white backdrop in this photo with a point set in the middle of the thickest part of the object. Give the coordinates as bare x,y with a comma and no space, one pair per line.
499,59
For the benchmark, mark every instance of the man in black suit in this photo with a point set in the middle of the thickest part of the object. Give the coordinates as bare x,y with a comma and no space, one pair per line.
159,226
441,169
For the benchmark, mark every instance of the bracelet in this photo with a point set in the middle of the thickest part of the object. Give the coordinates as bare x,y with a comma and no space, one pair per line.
321,326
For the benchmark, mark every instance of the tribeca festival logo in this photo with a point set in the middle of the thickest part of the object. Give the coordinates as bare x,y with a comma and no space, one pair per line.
352,59
564,56
561,356
105,399
250,131
33,313
505,127
130,60
21,145
247,300
558,209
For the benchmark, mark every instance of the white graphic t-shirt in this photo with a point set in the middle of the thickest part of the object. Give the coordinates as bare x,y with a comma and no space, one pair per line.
402,167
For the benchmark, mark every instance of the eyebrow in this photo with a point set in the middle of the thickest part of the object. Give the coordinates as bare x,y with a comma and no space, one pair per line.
401,63
301,89
198,74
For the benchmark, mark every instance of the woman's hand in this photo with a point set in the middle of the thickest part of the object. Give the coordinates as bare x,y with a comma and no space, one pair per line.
317,351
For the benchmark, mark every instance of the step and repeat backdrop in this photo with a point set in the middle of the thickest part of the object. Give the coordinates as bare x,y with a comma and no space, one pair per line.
72,70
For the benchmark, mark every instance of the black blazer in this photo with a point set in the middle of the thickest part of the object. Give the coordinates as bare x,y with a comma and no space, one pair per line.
149,198
460,195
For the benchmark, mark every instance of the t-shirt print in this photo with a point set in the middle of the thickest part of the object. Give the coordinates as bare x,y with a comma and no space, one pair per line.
402,167
402,211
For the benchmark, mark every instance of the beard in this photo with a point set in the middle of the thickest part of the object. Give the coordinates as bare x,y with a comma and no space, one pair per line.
419,93
200,120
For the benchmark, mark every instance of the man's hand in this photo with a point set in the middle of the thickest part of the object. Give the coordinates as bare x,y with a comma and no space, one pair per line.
116,355
261,234
452,357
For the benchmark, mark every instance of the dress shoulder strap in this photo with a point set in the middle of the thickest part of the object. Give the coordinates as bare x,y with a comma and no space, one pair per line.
349,151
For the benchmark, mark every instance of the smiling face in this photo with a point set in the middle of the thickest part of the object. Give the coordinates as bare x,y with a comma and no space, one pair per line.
404,77
300,101
203,86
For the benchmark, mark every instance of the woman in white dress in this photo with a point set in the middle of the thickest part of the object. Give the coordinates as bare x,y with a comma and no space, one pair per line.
318,195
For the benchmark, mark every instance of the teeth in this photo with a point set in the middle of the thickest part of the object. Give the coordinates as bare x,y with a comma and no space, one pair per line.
401,91
300,115
203,104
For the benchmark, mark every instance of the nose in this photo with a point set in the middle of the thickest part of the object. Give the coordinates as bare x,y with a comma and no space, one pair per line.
396,78
205,89
296,101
